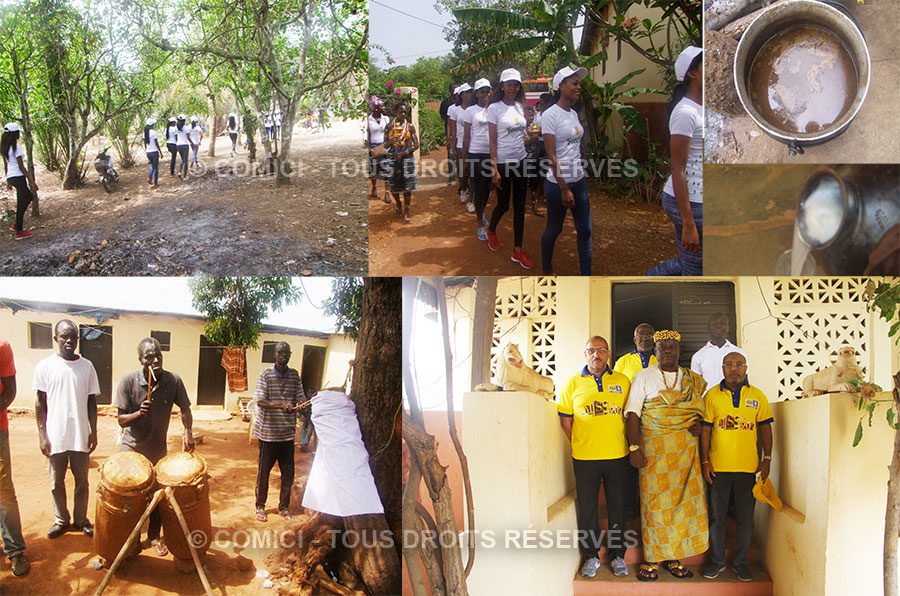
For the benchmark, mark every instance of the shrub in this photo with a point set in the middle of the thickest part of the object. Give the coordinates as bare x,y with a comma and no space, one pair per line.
431,130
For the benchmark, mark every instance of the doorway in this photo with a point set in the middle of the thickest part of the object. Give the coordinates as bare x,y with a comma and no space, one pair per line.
210,375
312,367
95,344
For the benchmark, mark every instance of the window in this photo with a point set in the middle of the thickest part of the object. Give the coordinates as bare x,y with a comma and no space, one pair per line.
164,338
268,352
40,336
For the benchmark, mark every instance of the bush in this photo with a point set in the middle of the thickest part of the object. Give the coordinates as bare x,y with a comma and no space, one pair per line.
431,130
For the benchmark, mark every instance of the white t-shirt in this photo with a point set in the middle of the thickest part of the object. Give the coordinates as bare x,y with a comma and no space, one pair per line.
151,146
67,383
376,128
232,129
566,128
647,383
707,361
455,114
510,123
12,164
479,138
687,120
269,121
195,134
537,118
171,134
181,136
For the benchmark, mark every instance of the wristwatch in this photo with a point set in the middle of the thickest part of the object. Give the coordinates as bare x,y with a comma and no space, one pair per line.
633,448
768,457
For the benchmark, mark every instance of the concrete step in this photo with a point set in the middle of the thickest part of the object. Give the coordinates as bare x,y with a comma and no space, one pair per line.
727,584
636,555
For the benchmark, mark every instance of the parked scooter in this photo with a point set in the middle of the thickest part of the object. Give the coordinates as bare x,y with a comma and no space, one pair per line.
108,174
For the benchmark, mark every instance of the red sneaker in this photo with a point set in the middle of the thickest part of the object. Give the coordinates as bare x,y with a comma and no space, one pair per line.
24,234
493,243
12,228
522,259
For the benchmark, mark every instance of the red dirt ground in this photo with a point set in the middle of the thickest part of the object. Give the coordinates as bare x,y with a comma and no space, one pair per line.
629,237
63,565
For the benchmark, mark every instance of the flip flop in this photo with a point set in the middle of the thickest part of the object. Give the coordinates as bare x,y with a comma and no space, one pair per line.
261,515
677,569
648,573
160,548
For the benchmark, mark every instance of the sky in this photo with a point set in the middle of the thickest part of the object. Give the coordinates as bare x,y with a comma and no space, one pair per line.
163,294
405,37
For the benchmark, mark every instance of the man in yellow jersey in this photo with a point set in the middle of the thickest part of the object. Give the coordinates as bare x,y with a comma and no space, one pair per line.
737,413
641,356
591,410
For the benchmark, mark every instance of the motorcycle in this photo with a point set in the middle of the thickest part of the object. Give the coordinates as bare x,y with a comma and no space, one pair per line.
108,174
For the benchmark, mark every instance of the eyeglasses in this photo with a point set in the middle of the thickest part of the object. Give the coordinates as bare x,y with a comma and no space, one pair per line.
734,365
596,350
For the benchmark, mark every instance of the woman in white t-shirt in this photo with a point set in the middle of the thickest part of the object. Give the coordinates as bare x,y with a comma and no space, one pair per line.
565,187
195,135
376,123
233,129
182,143
170,143
682,197
456,132
476,151
18,176
151,146
506,128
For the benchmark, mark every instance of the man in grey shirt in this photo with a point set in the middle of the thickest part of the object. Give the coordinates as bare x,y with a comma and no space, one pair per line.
144,400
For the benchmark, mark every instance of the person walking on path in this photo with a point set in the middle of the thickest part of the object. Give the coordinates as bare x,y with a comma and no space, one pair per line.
194,137
18,176
233,131
10,522
476,150
151,146
445,107
506,128
171,143
565,187
403,141
682,197
376,124
456,129
182,142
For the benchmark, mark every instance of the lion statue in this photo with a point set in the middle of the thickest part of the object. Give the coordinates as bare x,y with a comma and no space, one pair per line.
513,375
834,378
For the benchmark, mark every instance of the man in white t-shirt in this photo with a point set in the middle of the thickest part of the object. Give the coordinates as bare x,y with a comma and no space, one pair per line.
66,412
707,361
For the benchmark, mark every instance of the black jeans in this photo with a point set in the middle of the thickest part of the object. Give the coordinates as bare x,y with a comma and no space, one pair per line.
23,199
719,492
269,453
512,181
183,167
589,475
173,149
479,169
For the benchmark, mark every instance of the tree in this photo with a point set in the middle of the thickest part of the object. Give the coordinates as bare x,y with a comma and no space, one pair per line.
234,307
346,303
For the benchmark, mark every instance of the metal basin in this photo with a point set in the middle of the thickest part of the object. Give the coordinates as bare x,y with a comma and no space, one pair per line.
777,20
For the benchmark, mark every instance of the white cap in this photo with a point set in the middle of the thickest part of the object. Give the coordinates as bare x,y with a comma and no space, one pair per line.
510,74
684,60
11,127
463,87
172,119
566,72
482,83
193,119
232,115
150,122
182,117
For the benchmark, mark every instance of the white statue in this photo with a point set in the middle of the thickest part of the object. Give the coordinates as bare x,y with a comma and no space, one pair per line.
835,378
513,375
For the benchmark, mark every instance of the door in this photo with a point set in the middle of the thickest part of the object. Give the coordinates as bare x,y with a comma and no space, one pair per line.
95,344
682,306
312,368
210,375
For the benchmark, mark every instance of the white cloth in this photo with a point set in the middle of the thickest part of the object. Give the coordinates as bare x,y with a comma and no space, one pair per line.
181,136
67,383
151,146
647,383
707,361
479,138
340,480
376,128
457,116
170,133
566,128
194,134
687,120
12,164
510,123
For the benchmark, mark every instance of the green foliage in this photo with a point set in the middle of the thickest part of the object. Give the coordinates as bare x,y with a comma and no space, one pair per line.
345,303
234,307
432,133
431,76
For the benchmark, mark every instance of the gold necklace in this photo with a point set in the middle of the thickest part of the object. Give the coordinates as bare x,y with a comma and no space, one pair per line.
670,395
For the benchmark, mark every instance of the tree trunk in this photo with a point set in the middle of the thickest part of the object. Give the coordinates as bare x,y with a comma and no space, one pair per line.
216,127
483,329
284,166
892,512
72,172
376,392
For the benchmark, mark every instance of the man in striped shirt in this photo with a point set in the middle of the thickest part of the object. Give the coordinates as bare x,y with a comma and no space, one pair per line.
278,392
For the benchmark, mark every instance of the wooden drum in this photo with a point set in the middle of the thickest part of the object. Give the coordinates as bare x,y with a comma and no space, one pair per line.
125,482
186,474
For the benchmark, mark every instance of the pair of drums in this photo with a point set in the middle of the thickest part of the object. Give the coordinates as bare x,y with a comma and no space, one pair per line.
127,483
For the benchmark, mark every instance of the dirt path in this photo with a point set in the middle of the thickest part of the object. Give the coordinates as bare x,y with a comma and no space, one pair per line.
63,565
629,237
224,221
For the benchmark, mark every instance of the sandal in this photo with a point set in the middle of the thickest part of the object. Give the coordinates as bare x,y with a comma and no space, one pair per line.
648,572
387,199
261,515
161,548
677,569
